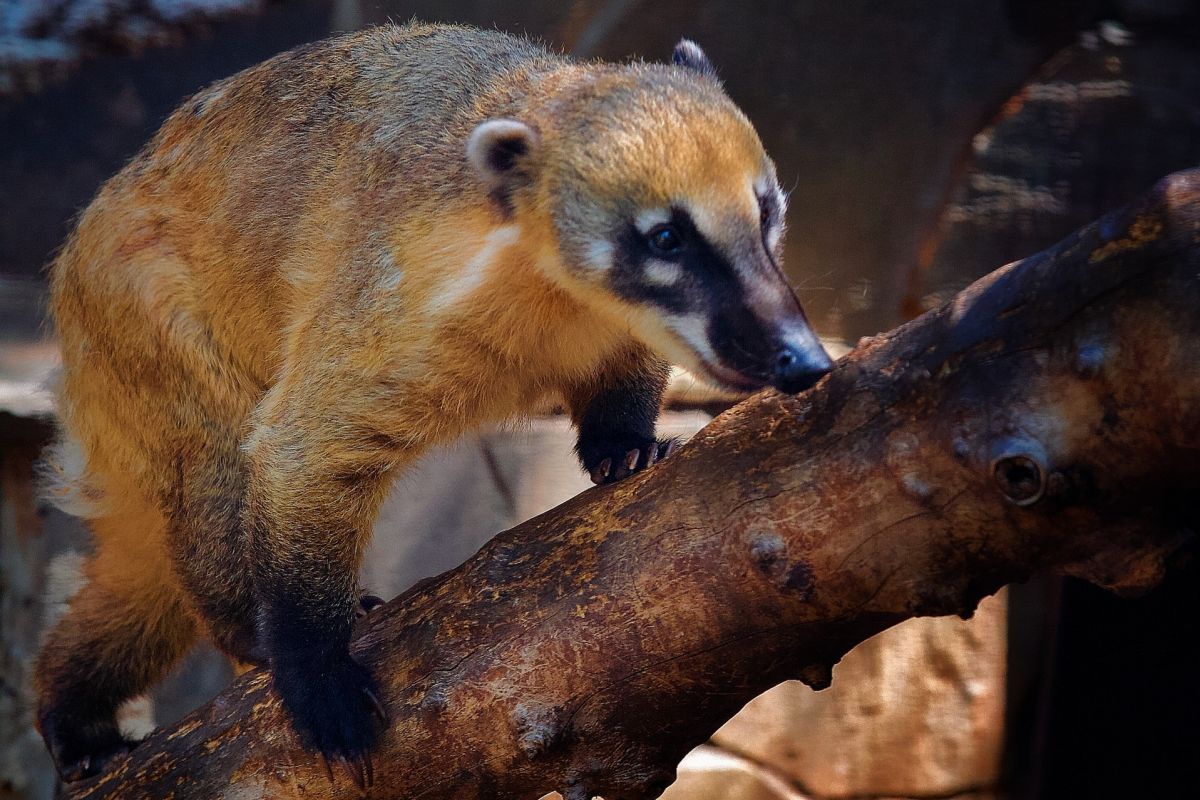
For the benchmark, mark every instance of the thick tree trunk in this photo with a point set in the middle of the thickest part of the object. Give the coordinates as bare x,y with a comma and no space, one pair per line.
1046,419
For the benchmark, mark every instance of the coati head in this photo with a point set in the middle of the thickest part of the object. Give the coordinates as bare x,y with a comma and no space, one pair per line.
667,215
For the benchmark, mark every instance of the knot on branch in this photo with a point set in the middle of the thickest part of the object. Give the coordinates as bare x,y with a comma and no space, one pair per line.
1021,479
538,729
1024,478
1021,471
769,553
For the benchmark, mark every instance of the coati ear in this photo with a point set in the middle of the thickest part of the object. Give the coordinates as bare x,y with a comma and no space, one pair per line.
689,55
501,150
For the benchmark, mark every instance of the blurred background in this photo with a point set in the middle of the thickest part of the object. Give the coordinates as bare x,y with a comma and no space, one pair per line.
926,142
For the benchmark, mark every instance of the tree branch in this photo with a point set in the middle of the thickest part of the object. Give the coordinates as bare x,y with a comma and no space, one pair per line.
1046,419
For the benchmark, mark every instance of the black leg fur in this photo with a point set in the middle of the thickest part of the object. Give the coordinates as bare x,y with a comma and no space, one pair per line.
616,422
333,700
108,648
207,543
82,740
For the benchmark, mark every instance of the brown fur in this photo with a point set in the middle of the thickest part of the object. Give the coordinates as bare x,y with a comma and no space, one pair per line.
250,342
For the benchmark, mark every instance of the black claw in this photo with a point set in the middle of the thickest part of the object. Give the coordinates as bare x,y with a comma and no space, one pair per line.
642,456
80,759
352,768
652,455
362,767
335,710
77,771
376,705
601,471
328,769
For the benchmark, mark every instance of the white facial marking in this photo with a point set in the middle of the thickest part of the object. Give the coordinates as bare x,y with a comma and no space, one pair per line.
767,187
693,329
461,284
648,218
598,255
707,223
774,232
661,273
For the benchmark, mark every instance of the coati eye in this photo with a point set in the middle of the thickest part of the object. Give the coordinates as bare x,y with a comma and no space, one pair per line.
664,240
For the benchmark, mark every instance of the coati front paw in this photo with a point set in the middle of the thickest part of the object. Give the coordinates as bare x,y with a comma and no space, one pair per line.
617,458
335,709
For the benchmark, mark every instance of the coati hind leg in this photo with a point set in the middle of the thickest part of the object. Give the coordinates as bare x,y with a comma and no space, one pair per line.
206,543
122,632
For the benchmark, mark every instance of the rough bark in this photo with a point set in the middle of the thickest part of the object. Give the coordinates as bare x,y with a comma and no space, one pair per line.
1047,419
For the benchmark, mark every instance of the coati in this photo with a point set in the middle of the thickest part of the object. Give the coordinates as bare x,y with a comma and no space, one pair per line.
324,265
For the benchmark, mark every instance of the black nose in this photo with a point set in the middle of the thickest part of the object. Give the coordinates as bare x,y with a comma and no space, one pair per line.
797,369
